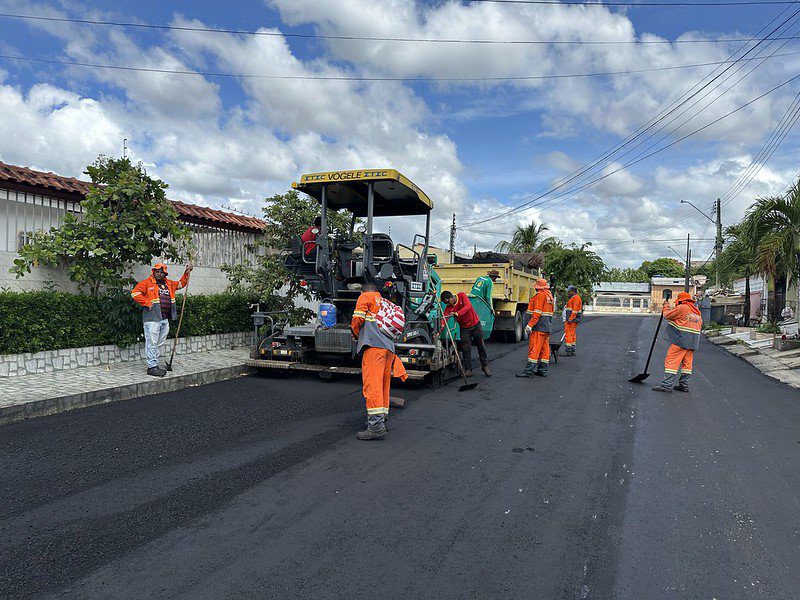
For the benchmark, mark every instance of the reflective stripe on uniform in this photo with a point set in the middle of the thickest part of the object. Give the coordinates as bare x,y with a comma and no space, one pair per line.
359,313
381,410
670,371
536,310
134,294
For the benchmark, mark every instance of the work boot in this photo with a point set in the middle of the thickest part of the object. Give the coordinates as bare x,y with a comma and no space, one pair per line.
661,388
682,388
524,374
541,373
486,370
468,373
370,434
156,371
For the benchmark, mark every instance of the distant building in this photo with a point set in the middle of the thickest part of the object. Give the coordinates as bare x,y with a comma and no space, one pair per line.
619,297
659,286
36,200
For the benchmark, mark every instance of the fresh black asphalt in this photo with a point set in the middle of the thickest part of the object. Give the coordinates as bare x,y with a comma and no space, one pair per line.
580,485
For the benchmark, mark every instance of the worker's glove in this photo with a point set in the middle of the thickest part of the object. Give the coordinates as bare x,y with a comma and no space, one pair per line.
528,330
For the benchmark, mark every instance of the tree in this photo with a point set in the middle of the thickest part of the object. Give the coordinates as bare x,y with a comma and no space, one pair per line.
739,259
574,265
626,275
126,220
529,238
663,267
287,216
778,245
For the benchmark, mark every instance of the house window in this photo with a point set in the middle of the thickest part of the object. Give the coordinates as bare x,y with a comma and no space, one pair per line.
608,301
666,293
23,237
626,303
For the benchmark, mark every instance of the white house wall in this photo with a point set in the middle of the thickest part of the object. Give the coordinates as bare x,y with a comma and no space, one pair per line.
21,213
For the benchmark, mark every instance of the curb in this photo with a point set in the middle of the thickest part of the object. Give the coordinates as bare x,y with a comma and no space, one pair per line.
52,406
765,365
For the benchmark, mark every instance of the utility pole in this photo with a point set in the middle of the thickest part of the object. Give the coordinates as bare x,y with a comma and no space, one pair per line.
688,264
453,240
718,242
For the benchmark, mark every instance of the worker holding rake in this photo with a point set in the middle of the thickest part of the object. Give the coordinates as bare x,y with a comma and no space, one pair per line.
683,327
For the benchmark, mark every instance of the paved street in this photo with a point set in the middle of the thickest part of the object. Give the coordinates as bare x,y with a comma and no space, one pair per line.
575,486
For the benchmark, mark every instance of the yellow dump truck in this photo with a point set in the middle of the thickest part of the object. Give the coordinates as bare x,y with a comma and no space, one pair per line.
509,295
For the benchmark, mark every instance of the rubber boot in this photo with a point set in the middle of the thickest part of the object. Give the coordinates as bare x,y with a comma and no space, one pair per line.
372,434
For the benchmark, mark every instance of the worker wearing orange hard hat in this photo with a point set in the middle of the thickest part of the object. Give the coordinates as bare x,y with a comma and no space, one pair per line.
573,312
683,327
540,309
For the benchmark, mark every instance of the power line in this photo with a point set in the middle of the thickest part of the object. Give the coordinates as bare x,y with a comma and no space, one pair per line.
360,78
636,4
372,38
771,144
607,156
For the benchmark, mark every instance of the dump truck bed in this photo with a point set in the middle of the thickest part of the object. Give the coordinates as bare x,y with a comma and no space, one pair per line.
514,286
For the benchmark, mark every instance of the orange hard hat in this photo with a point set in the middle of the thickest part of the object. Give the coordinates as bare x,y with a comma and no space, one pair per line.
684,297
161,266
541,284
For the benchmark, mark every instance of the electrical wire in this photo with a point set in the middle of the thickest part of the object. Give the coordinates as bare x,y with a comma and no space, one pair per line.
771,144
372,38
685,97
359,78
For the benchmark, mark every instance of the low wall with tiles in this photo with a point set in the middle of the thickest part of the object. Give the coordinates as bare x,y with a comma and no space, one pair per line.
13,365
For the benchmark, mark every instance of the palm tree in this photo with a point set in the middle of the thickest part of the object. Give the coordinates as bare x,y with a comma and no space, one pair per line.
778,249
740,257
529,238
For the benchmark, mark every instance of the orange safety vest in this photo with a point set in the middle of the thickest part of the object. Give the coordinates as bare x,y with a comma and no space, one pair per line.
684,325
146,294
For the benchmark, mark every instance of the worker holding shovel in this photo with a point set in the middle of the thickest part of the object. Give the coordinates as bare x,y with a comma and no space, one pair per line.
683,327
156,296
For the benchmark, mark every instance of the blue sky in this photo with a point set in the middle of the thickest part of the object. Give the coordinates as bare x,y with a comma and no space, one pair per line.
475,147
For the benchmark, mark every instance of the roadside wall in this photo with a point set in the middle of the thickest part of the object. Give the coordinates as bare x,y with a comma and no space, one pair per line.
14,365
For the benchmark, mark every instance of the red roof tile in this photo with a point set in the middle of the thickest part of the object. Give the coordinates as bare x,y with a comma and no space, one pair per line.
69,185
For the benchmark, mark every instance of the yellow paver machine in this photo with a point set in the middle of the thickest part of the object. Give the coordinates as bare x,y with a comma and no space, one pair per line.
335,268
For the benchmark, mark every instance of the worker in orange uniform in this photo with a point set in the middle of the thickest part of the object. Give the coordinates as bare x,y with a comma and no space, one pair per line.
156,296
683,327
378,362
540,309
573,312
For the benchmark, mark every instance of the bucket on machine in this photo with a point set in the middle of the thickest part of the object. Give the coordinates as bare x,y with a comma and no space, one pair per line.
327,313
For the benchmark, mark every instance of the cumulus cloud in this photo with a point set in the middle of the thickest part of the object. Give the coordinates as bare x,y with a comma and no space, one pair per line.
240,139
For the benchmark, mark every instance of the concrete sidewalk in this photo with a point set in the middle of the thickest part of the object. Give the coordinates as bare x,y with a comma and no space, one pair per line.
783,366
49,393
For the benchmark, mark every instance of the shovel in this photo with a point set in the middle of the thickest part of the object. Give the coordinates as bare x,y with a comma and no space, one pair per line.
642,376
467,386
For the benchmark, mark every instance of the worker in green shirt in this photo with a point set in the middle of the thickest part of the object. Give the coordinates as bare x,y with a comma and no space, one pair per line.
483,287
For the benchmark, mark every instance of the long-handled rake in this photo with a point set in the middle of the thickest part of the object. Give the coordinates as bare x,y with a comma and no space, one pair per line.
467,386
178,330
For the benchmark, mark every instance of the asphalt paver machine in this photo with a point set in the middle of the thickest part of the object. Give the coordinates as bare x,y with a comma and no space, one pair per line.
335,268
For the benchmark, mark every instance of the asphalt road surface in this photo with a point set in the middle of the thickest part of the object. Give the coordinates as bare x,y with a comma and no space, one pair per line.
580,485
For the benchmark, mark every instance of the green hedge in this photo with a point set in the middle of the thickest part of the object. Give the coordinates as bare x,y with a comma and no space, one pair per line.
36,321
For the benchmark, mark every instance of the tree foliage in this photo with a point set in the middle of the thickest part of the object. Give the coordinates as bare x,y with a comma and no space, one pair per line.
663,267
626,275
529,238
126,220
574,265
